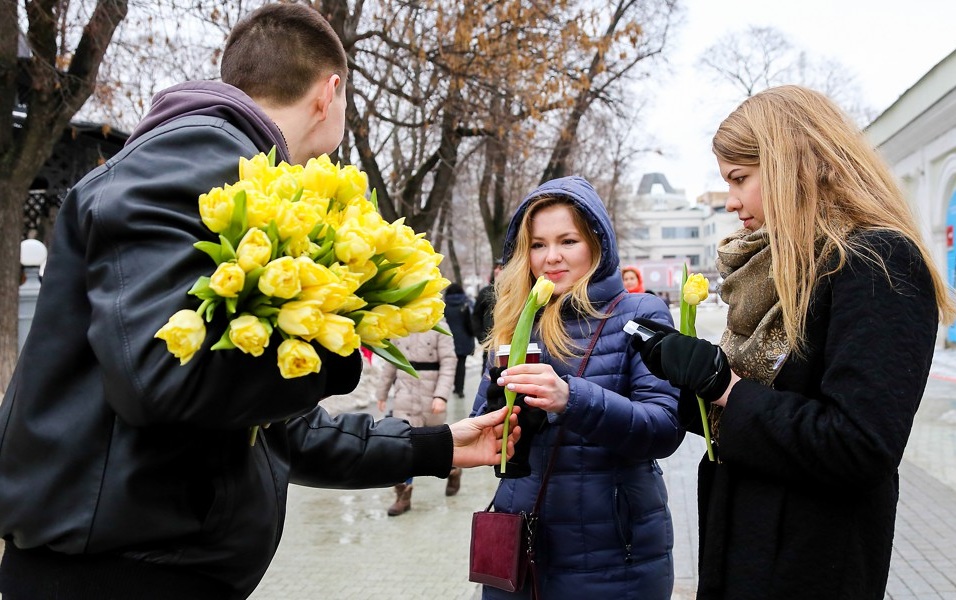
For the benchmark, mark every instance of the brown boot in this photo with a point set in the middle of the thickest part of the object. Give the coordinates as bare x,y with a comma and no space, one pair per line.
403,500
454,481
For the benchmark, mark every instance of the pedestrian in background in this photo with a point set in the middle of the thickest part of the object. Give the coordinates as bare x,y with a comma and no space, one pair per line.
458,317
833,307
422,400
633,281
604,530
482,317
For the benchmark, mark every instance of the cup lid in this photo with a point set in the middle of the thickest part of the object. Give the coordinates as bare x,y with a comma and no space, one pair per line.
505,349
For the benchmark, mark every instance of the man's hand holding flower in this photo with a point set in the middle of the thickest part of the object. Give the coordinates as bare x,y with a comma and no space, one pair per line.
478,440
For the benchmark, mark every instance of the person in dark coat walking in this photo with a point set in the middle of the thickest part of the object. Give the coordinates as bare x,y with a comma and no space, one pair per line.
482,317
604,530
834,304
458,317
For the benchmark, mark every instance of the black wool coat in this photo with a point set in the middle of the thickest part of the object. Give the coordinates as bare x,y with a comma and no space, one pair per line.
803,501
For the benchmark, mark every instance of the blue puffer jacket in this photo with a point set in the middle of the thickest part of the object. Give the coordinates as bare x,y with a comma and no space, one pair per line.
605,530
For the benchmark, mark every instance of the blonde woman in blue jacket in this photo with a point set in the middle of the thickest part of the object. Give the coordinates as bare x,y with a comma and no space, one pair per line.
604,530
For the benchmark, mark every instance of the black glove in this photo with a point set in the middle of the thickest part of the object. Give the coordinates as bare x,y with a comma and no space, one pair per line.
494,393
531,419
686,362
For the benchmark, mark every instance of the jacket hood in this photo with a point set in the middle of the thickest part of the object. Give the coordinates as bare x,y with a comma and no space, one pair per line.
583,195
456,299
214,99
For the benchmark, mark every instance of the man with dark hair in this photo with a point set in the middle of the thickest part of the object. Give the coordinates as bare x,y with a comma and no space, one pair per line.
126,475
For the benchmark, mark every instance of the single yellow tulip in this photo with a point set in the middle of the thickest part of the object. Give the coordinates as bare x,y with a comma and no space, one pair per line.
297,358
183,334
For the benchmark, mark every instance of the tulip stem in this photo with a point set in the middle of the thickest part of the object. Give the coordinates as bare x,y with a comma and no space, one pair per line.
703,419
253,432
539,296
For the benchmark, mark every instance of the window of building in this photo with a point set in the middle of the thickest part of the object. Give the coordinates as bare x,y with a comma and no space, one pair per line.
674,233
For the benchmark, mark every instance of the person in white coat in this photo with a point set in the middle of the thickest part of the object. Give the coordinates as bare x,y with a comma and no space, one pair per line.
422,401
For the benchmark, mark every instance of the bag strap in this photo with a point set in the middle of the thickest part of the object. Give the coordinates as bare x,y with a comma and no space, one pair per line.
584,362
531,520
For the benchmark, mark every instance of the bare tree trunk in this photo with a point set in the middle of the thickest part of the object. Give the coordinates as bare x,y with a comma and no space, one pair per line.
445,225
12,194
54,97
558,164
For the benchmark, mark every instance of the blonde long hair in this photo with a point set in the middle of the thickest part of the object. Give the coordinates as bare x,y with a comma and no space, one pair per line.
515,281
820,180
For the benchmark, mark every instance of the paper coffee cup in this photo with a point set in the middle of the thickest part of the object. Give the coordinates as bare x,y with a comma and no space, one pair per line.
504,352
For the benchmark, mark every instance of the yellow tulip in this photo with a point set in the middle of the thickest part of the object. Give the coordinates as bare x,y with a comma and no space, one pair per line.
301,247
352,244
228,280
302,318
254,250
332,297
297,358
284,186
311,273
379,231
349,304
423,313
696,289
352,183
183,334
353,276
359,273
249,334
392,319
338,335
295,219
320,177
542,290
254,169
372,329
215,209
280,279
261,209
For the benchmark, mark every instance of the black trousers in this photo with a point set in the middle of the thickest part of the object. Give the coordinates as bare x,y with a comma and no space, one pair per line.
41,574
460,375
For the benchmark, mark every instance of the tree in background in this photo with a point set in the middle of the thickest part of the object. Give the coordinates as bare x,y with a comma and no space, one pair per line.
46,75
757,58
456,109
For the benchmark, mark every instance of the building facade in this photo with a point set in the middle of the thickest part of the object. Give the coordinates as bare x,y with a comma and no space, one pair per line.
659,231
917,137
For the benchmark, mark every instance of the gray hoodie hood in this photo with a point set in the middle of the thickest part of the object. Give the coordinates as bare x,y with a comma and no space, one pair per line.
215,99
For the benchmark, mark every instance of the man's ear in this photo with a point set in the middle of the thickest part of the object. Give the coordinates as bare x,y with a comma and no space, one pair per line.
326,94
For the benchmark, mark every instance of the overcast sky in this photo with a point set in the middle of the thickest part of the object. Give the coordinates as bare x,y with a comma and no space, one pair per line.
887,45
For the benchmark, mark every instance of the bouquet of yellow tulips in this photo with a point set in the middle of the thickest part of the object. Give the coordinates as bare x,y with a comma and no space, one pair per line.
303,252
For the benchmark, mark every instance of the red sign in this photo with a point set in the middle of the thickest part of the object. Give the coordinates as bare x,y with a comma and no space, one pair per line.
949,236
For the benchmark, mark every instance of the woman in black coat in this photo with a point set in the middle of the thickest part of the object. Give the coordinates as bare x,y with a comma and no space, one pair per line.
834,304
458,317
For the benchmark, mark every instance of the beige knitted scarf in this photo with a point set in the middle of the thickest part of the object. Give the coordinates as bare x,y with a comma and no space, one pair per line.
754,340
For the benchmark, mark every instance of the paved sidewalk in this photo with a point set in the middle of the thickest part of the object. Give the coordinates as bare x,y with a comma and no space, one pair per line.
340,545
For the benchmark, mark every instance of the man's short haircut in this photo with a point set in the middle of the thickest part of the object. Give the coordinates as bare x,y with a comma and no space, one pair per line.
280,50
